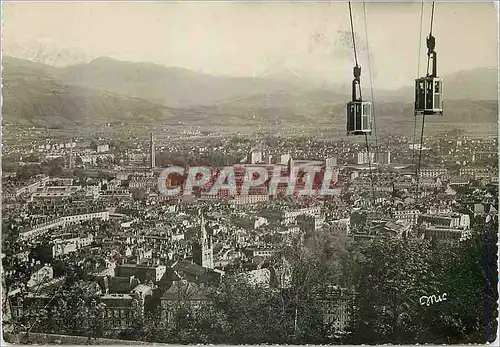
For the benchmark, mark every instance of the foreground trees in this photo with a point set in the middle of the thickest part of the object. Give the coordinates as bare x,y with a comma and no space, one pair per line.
237,312
389,307
470,277
392,279
397,273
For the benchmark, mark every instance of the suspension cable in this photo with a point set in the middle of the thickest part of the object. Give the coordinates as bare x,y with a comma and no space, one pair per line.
366,136
413,143
423,116
373,106
370,168
352,32
432,19
430,34
371,79
418,76
420,153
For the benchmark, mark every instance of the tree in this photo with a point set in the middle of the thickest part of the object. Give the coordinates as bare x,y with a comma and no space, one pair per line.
138,194
397,272
136,331
55,166
339,256
32,158
188,319
311,279
317,268
28,171
469,278
77,311
93,145
246,313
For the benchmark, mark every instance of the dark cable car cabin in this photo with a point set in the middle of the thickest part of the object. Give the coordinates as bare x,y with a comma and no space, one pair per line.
429,89
359,112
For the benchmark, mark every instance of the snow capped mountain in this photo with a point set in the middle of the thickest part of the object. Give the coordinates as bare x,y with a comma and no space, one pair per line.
46,52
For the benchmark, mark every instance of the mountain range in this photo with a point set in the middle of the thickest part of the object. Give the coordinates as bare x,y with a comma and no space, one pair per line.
45,51
108,90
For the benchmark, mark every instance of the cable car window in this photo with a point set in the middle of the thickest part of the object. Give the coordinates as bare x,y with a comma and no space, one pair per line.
437,101
417,91
437,87
366,109
429,98
358,116
350,117
366,122
421,96
429,87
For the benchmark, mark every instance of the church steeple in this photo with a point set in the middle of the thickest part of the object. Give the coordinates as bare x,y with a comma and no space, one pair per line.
202,247
203,229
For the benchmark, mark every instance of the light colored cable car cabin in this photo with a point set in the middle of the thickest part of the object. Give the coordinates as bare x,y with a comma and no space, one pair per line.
359,118
429,96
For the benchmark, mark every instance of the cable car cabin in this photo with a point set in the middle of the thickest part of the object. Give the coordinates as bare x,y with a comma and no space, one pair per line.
359,118
429,96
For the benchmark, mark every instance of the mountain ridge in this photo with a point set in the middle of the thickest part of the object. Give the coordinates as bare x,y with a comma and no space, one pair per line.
180,87
40,95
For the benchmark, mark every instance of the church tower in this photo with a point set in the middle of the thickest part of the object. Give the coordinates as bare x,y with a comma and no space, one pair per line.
202,247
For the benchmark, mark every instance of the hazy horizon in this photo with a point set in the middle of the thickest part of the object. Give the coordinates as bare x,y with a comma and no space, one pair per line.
311,40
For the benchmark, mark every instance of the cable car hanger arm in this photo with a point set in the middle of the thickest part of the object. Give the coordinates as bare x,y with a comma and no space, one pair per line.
431,45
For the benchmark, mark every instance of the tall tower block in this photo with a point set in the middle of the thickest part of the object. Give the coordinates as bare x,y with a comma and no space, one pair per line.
152,150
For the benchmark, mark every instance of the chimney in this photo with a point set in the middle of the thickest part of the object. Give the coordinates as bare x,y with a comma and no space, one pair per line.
152,151
71,154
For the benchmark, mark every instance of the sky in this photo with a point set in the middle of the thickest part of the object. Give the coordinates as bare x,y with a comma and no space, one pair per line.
257,39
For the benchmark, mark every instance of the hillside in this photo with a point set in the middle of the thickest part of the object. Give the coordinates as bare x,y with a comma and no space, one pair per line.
44,51
477,84
171,86
40,95
324,105
179,87
31,96
312,110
